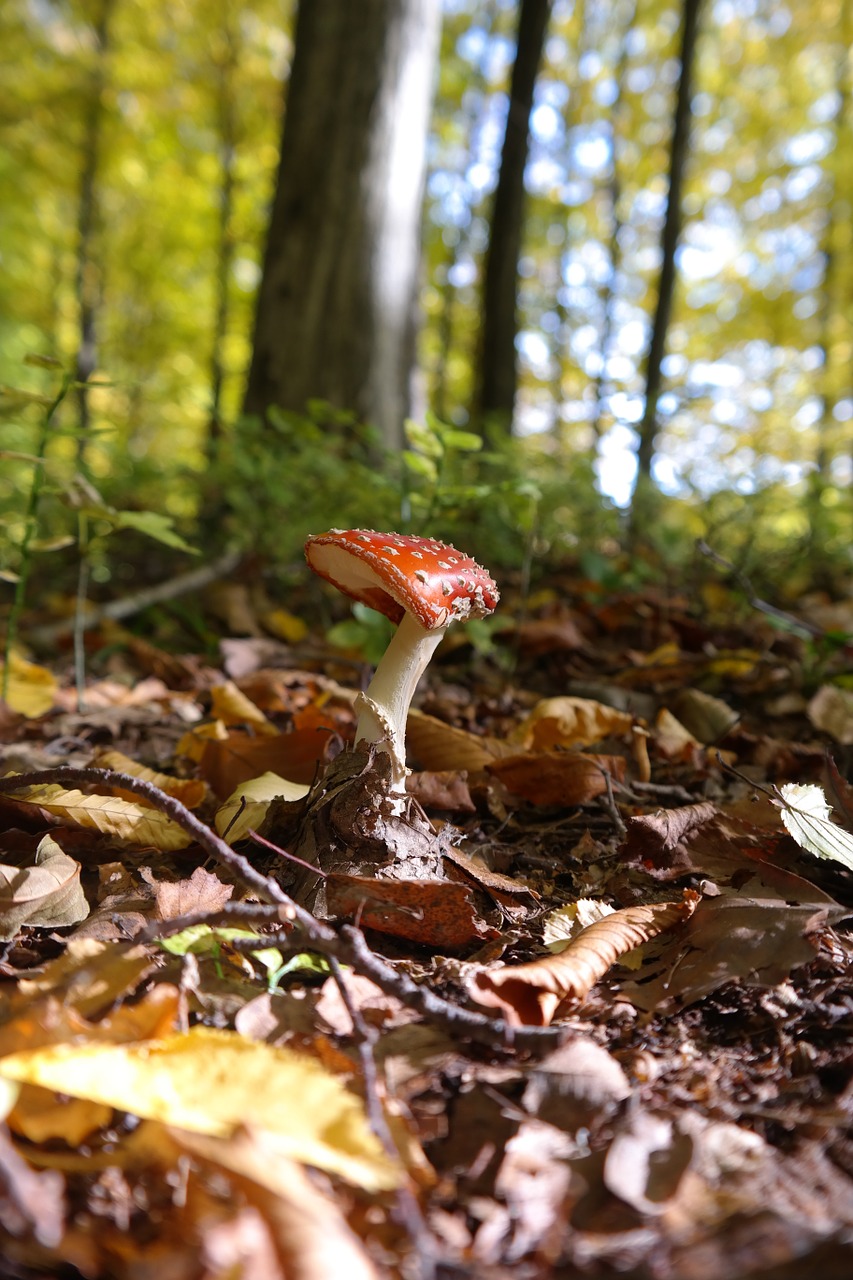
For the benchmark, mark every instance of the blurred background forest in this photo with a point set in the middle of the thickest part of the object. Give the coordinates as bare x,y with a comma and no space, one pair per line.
642,266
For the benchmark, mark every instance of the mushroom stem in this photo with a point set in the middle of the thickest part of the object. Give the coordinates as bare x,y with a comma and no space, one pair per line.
384,707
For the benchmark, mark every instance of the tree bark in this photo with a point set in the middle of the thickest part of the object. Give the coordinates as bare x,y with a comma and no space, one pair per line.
337,307
678,155
498,369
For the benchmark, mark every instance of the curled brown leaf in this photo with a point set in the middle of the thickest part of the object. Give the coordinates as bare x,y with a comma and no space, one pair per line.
530,994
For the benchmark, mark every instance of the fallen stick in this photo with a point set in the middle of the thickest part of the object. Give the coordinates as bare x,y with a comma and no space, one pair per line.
195,580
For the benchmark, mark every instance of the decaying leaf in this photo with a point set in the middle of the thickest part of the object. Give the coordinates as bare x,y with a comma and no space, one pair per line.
807,817
246,808
211,1082
204,891
530,994
436,745
128,820
48,893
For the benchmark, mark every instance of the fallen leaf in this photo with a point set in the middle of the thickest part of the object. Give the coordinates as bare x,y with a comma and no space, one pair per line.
569,722
211,1082
190,791
831,710
530,994
311,1235
31,689
447,790
246,807
204,891
228,762
708,718
807,817
437,745
558,778
433,913
576,1083
48,893
128,820
90,975
231,706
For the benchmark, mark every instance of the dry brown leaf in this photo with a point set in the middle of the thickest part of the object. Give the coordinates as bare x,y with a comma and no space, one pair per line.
230,705
48,893
128,820
530,994
190,791
308,1229
436,745
564,778
569,722
239,757
204,891
447,789
90,975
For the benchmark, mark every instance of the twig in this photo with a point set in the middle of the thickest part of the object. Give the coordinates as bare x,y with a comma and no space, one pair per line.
128,605
798,624
347,946
608,803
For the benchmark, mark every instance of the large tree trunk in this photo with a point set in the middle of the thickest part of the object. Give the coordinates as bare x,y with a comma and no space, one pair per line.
336,315
498,373
678,155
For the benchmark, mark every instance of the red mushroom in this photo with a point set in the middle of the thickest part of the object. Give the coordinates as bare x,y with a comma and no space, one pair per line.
423,585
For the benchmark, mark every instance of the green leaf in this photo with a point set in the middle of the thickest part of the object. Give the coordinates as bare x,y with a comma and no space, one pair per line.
154,525
421,438
420,465
462,441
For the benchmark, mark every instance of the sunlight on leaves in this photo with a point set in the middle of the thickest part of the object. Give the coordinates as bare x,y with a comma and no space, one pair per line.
212,1082
110,815
246,808
807,817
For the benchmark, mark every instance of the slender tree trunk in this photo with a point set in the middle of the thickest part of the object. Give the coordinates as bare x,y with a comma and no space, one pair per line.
87,274
609,290
498,369
337,307
679,151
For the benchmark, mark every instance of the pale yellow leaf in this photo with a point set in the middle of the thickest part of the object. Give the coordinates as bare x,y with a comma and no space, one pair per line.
193,743
138,824
190,791
214,1081
231,706
831,710
32,689
285,626
246,808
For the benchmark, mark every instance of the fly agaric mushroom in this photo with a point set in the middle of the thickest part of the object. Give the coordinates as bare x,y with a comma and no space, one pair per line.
419,583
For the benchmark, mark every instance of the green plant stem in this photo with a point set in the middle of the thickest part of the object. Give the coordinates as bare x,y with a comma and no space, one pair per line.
30,524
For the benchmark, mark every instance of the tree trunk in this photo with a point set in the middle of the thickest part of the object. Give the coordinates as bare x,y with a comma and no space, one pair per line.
498,371
679,151
337,308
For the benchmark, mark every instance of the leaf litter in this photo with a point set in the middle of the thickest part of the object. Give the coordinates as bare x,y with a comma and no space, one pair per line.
583,1008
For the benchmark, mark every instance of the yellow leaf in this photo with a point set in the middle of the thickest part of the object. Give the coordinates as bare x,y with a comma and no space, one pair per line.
190,791
32,689
111,815
193,744
215,1081
570,722
246,808
285,626
231,706
39,1116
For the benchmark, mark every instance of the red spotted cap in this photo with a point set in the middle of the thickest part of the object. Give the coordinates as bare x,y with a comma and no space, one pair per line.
396,574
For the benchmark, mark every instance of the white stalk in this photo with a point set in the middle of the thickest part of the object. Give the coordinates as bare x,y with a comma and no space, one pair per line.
384,708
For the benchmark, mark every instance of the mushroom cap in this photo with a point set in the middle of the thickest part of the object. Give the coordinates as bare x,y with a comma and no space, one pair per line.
396,574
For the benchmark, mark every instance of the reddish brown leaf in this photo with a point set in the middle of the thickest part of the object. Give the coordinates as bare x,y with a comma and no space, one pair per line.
438,914
564,778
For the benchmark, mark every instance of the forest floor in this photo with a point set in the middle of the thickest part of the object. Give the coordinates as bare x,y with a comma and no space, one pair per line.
591,1016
